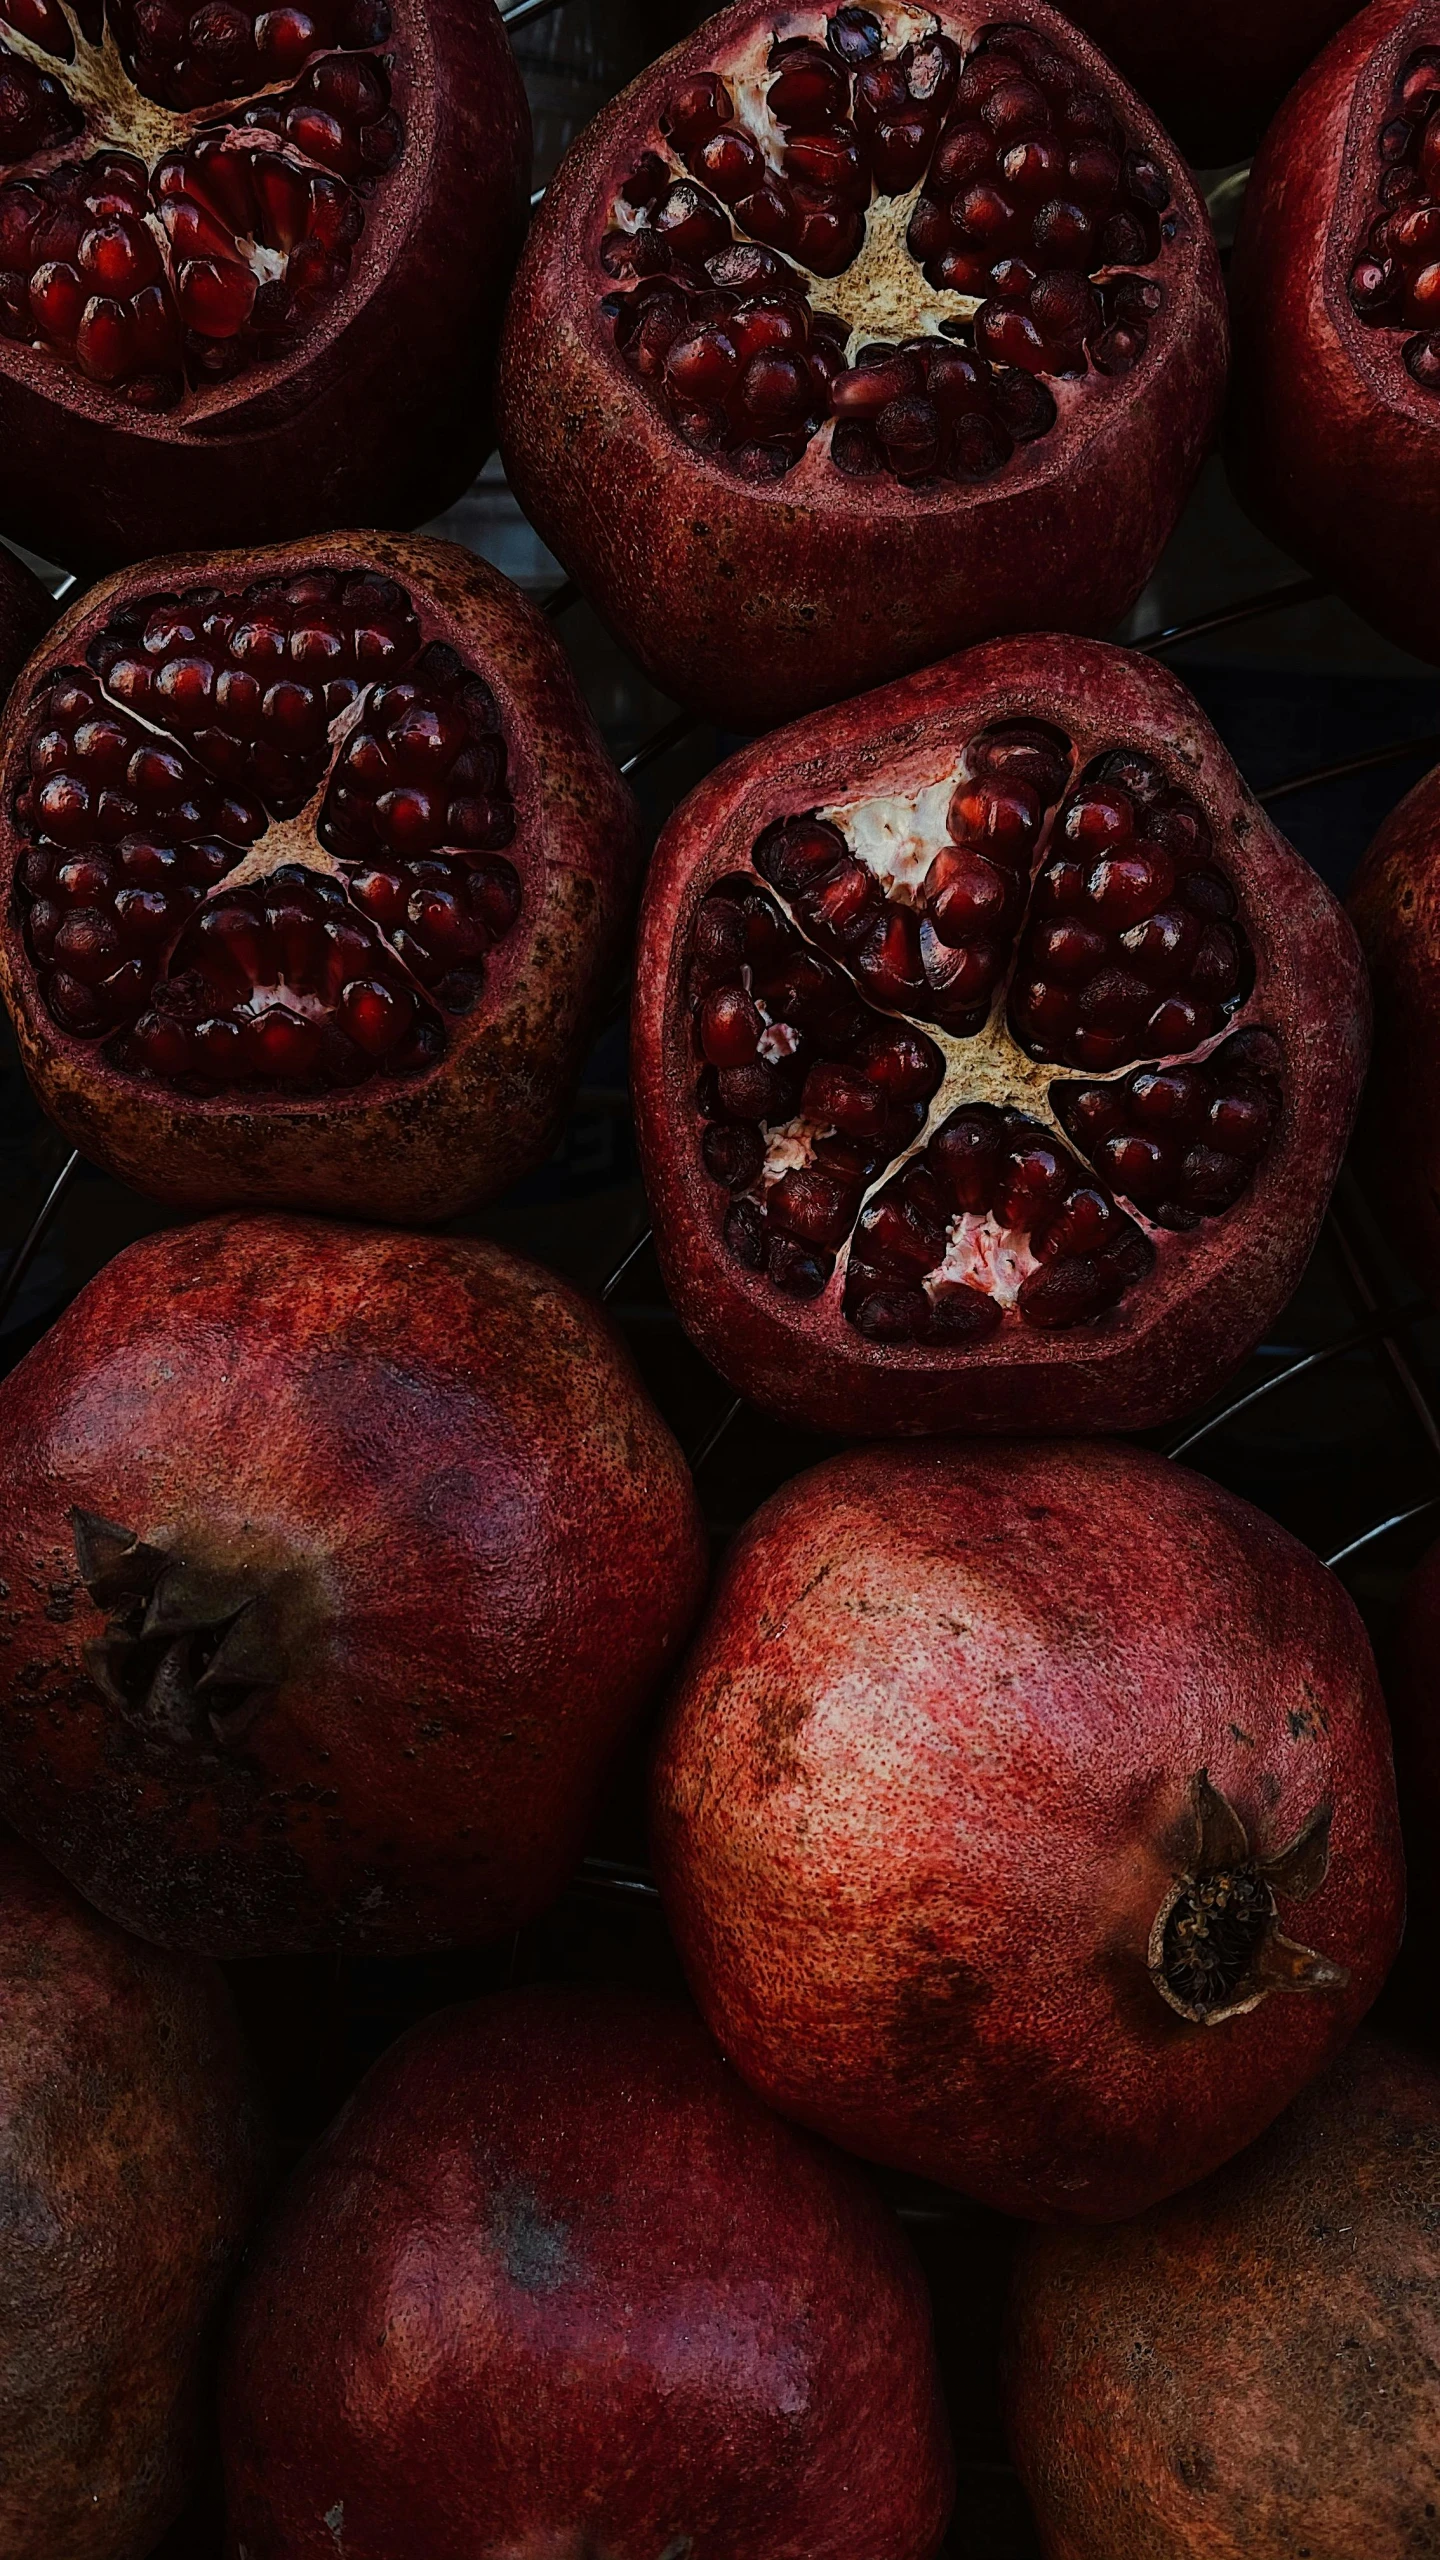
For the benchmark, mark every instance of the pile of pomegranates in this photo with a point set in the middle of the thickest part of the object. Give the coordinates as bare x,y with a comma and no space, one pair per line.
252,265
555,2283
843,338
1025,1818
340,1561
993,1056
313,874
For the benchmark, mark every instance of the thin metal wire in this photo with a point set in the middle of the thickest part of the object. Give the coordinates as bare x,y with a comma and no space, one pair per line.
1362,1335
613,1875
537,196
525,12
561,598
24,1254
714,1437
1395,753
618,1274
1382,1529
661,743
1272,600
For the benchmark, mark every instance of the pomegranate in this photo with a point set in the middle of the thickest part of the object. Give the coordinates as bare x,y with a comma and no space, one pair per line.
252,265
554,2285
134,2158
316,870
1213,74
989,1798
1395,900
1335,441
340,1560
1249,2371
841,340
993,1057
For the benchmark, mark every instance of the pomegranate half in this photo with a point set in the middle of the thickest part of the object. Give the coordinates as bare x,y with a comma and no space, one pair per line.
993,1056
313,877
340,1560
252,265
135,2156
1395,901
1213,70
1250,2371
1025,1818
1334,445
841,340
554,2284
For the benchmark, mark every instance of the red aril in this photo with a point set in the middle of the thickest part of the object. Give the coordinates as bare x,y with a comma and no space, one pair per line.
841,340
252,266
556,2284
1335,432
1025,1818
1053,1047
1395,901
135,2157
317,871
340,1562
1214,74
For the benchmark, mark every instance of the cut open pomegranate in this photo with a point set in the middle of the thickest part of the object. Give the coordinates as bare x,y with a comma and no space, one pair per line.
842,339
318,867
1334,442
252,263
993,1055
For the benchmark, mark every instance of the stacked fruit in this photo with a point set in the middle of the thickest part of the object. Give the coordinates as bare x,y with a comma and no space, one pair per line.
1023,1810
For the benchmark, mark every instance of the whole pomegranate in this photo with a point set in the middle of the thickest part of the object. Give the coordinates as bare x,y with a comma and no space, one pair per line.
340,1560
313,876
555,2284
252,265
1335,436
1395,901
1213,70
134,2156
993,1056
842,339
989,1798
1250,2370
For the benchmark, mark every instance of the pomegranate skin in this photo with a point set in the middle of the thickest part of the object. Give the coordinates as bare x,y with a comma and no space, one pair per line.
651,2318
1214,76
1331,446
1395,902
418,1147
432,1471
754,602
1249,2371
926,1788
381,412
135,2157
1177,1335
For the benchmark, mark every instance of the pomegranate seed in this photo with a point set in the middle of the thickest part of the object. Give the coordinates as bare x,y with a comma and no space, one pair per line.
729,1027
834,1097
965,1157
162,1045
733,1155
280,1043
964,894
814,1207
215,298
1071,1291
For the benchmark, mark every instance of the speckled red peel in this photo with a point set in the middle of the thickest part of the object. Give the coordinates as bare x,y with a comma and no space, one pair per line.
823,1236
252,267
556,2283
314,874
1213,74
312,1532
1395,901
1333,440
135,2158
757,559
1025,1818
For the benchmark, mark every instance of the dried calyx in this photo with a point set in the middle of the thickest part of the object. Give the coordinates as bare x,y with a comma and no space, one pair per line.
1216,1948
873,227
879,1026
190,1654
1395,278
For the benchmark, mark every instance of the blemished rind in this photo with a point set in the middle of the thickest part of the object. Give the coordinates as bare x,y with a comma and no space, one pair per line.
752,603
382,416
136,2156
1214,71
1249,2371
483,1544
404,1148
1332,447
1181,1331
925,1784
555,2282
1395,902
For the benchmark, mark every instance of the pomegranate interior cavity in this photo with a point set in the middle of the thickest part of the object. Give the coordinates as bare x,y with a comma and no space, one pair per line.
885,231
1395,280
883,1032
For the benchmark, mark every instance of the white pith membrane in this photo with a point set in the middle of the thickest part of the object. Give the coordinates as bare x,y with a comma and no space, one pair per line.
896,836
175,248
1395,271
881,302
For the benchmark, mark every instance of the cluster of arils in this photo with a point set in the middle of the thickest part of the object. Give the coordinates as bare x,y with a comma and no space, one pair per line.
147,279
365,770
1030,200
1395,280
1013,905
